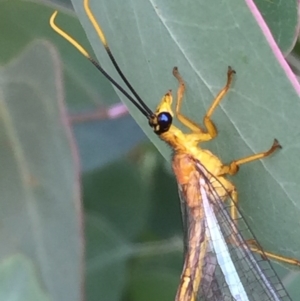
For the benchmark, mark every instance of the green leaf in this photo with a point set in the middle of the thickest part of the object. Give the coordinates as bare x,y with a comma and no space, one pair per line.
107,256
18,272
116,192
163,281
282,19
118,205
40,202
202,38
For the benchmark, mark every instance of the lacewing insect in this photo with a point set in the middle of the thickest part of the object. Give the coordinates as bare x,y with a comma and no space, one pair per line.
220,264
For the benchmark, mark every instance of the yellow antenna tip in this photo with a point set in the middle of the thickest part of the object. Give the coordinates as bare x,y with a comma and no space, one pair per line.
52,18
66,36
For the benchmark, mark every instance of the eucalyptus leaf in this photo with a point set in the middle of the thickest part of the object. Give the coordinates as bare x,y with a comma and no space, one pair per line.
202,38
107,255
19,272
283,21
40,195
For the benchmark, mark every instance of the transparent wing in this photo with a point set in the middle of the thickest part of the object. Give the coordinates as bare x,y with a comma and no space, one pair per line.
256,276
201,274
196,251
219,266
209,286
185,219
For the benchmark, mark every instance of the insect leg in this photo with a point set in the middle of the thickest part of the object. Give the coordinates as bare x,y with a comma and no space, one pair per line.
193,126
233,167
210,126
255,247
210,130
252,244
231,192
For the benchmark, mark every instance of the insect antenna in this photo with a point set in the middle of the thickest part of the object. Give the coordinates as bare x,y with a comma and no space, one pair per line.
137,101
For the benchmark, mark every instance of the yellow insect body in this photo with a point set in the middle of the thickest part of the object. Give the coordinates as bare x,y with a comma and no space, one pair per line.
187,154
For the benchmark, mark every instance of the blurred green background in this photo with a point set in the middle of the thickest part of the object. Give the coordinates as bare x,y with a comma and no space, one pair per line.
122,190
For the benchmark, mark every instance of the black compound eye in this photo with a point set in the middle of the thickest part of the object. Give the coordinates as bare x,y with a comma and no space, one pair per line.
164,121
